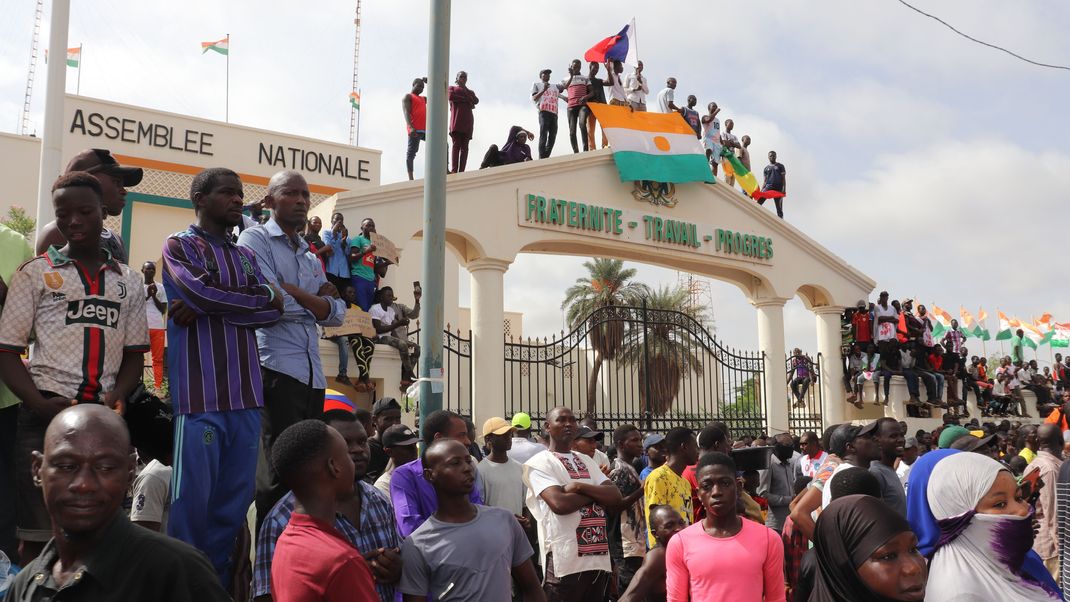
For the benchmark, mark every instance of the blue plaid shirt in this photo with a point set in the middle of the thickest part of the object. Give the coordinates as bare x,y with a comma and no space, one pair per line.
377,530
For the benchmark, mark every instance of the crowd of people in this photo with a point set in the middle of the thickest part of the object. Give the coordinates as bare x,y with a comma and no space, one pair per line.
890,338
119,495
577,91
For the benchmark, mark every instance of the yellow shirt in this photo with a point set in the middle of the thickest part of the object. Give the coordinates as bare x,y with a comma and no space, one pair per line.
664,486
1028,454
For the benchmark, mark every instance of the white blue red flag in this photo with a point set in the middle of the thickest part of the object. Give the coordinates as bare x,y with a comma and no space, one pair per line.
620,47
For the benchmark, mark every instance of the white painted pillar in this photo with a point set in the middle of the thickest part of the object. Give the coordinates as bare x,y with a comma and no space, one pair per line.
771,341
828,345
488,338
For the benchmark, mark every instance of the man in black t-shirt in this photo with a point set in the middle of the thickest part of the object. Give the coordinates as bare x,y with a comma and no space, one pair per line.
385,413
776,178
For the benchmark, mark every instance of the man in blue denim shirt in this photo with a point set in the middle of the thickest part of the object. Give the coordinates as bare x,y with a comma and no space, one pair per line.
289,350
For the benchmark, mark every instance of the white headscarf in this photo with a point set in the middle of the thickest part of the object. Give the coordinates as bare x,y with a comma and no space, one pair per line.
969,567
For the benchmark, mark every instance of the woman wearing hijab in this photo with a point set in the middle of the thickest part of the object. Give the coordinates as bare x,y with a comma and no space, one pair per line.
985,534
515,149
866,551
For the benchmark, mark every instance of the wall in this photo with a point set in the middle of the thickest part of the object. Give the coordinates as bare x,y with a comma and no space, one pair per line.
171,149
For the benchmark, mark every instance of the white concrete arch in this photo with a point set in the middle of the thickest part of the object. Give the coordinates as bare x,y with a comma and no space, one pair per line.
577,205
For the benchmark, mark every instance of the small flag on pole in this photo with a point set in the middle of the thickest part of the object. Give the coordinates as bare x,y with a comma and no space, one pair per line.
354,100
74,57
220,46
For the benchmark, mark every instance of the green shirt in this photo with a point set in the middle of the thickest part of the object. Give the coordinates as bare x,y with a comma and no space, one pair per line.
365,266
1016,349
14,251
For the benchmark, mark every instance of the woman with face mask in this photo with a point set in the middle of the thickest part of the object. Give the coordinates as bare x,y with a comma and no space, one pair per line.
866,551
985,534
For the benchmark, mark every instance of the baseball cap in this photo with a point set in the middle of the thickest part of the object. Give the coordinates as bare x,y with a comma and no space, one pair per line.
950,434
384,404
910,442
870,428
586,432
652,440
496,426
99,160
399,435
971,442
521,420
547,70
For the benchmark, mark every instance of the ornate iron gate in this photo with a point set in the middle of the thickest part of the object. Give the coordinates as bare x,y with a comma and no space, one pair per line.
805,398
653,368
456,370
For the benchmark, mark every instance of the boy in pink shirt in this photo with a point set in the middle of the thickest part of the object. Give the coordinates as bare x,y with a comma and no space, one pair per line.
723,557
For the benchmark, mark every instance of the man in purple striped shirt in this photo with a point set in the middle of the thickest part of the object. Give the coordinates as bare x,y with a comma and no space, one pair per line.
219,298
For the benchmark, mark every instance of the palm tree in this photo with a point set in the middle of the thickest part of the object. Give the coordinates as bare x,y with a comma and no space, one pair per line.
666,352
607,284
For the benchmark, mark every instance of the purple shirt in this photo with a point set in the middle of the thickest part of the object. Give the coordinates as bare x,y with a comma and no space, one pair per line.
414,498
213,365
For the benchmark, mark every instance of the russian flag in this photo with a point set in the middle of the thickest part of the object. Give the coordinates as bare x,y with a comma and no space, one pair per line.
620,47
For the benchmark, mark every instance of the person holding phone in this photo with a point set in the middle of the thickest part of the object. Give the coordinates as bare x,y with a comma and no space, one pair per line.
391,321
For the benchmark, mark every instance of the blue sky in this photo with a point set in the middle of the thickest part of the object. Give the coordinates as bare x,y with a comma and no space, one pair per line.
937,166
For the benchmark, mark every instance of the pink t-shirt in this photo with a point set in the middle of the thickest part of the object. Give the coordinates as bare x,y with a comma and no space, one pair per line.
748,567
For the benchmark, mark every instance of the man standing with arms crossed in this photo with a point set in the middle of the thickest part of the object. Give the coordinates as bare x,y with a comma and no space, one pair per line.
546,97
219,297
414,108
294,383
570,499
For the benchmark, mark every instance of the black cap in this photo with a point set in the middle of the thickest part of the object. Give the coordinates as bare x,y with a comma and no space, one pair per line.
399,435
99,160
384,404
870,428
586,432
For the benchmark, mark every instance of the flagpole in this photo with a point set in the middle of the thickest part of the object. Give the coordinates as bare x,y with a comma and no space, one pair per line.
227,109
78,86
356,135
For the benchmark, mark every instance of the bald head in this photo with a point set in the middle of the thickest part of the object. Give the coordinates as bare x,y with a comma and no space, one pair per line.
1050,437
84,471
282,178
449,468
85,421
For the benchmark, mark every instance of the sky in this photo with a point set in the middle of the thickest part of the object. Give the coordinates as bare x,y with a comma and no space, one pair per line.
937,166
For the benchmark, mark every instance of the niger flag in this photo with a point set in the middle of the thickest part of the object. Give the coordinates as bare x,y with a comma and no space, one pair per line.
652,146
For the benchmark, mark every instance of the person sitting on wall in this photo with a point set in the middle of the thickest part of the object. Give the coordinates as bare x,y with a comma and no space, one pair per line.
515,150
391,321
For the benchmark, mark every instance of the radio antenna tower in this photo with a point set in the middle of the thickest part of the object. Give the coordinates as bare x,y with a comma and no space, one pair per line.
699,296
354,112
24,123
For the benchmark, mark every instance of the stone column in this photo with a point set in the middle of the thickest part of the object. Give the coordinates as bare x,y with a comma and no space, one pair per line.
488,338
771,341
828,345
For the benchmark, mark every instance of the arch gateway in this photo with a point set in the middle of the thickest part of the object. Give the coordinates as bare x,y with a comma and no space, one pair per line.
577,205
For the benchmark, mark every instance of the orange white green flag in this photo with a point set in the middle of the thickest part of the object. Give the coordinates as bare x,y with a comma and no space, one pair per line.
354,100
981,331
1004,333
941,320
660,147
220,46
1061,336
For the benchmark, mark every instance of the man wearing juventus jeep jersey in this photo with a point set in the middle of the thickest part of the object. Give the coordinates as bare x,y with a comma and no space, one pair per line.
86,314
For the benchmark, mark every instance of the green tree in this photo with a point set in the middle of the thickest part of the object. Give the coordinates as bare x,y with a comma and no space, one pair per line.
745,411
663,351
608,283
18,220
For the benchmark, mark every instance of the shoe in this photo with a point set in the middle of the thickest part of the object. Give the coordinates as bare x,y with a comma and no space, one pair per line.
914,400
343,380
859,405
852,397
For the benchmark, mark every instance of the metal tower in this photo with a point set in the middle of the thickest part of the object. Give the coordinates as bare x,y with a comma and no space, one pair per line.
354,114
24,123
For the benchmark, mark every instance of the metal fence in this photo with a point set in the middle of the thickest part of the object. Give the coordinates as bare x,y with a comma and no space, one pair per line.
456,370
804,393
653,368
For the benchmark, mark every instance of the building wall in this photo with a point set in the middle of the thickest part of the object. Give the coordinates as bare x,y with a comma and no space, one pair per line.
171,149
